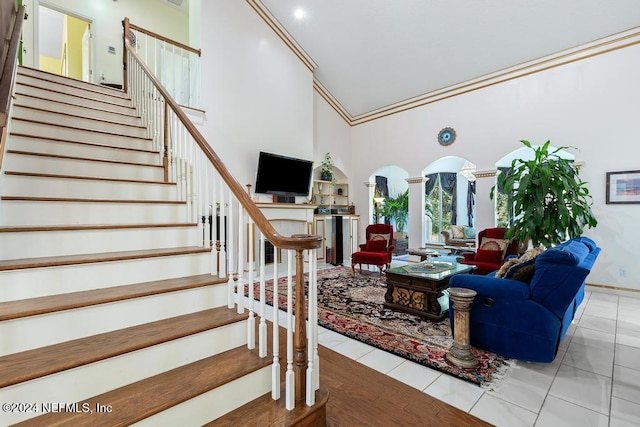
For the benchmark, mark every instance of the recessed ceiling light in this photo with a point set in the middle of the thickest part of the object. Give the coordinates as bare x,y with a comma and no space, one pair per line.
299,14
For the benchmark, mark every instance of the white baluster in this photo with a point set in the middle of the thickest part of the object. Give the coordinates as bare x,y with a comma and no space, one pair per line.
222,253
290,375
275,367
262,330
251,326
240,273
310,392
230,282
214,222
316,355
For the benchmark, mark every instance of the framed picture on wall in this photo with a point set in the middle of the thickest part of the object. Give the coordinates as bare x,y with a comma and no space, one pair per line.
623,187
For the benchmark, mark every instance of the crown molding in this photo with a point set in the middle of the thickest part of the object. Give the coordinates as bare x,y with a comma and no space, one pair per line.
287,38
598,47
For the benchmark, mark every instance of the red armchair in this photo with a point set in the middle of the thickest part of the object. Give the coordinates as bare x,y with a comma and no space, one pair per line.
492,250
378,248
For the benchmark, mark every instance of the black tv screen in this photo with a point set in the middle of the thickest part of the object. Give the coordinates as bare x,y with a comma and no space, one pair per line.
283,176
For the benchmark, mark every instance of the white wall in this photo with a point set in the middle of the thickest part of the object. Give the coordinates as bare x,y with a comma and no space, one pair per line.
257,94
332,134
591,104
152,15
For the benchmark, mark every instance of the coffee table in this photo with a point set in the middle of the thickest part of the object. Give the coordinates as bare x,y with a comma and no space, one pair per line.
422,291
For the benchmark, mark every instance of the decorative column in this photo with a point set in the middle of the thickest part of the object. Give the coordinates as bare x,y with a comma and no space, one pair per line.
485,207
415,222
460,353
371,188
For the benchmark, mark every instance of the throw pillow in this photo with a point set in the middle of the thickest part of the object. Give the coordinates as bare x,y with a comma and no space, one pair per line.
530,255
469,233
457,231
486,255
377,236
376,246
523,271
492,244
506,266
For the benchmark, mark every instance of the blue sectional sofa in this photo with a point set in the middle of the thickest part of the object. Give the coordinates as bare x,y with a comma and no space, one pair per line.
527,321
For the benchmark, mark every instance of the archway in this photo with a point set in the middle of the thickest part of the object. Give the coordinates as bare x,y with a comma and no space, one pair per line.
389,197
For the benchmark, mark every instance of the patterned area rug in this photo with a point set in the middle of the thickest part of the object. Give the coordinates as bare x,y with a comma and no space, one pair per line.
353,306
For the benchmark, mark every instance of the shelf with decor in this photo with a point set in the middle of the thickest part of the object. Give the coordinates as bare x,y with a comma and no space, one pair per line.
330,197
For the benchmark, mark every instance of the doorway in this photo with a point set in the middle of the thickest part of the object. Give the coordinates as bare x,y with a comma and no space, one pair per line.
64,43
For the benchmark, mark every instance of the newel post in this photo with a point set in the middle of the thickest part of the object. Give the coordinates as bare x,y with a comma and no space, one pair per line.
125,34
300,335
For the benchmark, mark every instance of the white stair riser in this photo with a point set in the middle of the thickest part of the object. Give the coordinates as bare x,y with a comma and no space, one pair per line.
62,166
38,282
215,403
59,213
46,146
28,101
79,83
71,134
78,122
70,99
96,378
74,91
15,185
38,331
17,245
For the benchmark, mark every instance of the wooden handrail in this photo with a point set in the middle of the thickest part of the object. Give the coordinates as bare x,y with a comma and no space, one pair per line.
7,77
165,39
296,242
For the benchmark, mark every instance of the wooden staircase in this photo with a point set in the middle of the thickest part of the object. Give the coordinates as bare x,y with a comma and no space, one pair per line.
108,312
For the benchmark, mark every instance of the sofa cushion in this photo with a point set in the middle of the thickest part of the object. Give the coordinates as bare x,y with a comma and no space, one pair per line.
493,244
377,236
376,246
470,233
486,255
457,231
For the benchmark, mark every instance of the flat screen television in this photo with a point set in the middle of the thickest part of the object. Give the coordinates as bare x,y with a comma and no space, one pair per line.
283,176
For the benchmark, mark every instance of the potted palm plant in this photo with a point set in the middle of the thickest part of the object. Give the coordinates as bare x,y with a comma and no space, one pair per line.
548,201
397,208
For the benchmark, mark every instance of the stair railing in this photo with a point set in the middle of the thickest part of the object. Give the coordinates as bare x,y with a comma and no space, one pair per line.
12,28
175,64
225,212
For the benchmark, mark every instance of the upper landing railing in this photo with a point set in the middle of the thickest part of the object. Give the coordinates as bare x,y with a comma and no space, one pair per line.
213,196
176,65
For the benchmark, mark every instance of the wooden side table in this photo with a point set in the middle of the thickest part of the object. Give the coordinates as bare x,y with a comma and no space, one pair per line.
460,353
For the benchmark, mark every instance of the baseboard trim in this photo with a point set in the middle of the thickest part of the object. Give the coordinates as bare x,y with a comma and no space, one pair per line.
613,288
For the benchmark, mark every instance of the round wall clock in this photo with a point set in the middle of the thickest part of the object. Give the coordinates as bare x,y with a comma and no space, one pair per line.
446,136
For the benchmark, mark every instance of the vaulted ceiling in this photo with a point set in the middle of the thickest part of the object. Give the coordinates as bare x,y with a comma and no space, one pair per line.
372,54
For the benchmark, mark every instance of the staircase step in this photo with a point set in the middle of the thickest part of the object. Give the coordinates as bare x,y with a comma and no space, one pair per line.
114,97
24,125
59,211
32,241
19,264
49,304
61,96
68,81
25,161
142,399
61,147
31,364
29,184
26,283
63,118
35,101
264,411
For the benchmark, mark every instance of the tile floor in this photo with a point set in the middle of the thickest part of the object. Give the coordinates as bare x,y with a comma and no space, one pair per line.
594,380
